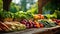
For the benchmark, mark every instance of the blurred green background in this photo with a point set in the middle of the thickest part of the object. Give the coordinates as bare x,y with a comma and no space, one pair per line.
23,5
51,8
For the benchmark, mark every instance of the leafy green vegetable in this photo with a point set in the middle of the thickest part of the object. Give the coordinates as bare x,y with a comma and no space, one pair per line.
6,14
49,16
25,15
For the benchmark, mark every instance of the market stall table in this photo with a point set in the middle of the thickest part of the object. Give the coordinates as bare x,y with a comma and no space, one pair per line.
51,30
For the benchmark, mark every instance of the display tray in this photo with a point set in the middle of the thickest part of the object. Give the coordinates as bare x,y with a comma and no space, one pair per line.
51,30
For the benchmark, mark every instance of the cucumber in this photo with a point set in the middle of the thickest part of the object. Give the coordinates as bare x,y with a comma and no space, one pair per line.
47,23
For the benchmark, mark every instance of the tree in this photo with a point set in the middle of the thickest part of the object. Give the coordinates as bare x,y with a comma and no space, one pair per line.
6,4
42,3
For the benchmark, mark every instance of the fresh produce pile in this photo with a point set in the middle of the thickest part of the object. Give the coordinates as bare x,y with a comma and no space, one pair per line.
47,23
23,20
11,26
57,21
31,24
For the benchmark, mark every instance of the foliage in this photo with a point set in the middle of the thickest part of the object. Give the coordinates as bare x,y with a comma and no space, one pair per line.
1,5
52,6
58,13
14,7
33,9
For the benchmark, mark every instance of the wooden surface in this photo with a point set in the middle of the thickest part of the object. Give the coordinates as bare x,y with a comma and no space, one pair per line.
37,31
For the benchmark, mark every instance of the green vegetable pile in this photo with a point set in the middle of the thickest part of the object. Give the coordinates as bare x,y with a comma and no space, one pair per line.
18,15
5,14
47,23
21,15
50,16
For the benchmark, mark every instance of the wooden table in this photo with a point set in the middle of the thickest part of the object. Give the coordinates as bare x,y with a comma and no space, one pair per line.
51,30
